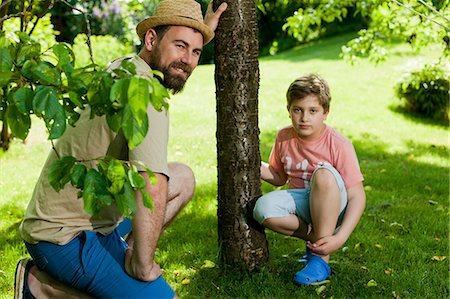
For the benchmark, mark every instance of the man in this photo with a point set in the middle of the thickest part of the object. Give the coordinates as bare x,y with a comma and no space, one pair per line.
77,255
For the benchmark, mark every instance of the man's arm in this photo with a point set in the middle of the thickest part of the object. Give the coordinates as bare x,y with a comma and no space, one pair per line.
355,207
269,175
147,227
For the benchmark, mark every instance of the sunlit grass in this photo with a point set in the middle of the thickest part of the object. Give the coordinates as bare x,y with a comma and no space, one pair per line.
401,237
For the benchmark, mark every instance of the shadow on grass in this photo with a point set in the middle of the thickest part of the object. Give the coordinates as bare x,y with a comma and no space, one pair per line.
9,236
402,228
418,118
404,224
326,49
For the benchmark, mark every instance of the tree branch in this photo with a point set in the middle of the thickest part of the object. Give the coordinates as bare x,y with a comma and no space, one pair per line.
88,29
434,10
421,14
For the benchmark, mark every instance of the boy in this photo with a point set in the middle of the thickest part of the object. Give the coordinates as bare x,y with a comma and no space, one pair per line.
325,196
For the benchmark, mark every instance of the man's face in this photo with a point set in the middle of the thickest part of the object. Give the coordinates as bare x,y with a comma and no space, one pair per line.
176,55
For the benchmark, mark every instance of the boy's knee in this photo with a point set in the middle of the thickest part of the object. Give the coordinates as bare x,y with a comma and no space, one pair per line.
324,179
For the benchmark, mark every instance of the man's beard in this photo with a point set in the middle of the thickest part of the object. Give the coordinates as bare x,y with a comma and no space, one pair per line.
171,81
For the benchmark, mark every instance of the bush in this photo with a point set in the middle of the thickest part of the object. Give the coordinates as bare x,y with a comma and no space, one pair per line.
426,91
104,48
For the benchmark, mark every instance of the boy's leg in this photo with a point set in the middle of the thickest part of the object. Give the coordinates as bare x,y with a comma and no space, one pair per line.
181,190
328,199
277,211
325,204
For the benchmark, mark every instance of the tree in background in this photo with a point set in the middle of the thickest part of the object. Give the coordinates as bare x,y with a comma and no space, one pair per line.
242,240
419,23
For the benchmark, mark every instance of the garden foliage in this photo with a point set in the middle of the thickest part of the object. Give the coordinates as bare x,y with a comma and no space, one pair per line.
417,22
45,83
426,91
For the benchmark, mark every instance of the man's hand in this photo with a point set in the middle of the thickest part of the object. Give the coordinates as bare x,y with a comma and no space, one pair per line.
212,18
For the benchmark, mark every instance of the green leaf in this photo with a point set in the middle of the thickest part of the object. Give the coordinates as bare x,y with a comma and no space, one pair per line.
27,70
129,198
136,180
207,264
98,93
114,120
65,56
46,102
116,175
23,99
95,193
27,52
80,79
138,95
6,66
159,96
119,93
371,283
78,175
76,99
134,127
320,289
150,173
46,73
129,66
147,199
18,122
60,172
63,53
135,120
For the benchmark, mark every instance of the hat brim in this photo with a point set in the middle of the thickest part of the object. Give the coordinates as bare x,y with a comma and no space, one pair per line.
154,21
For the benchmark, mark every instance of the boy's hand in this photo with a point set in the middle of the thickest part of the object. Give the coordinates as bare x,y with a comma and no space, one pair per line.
326,245
212,18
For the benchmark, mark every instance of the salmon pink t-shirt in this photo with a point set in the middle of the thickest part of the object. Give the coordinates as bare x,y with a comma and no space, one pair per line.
298,158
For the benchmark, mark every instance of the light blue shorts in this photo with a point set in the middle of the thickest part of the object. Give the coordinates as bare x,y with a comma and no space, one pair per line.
94,264
281,203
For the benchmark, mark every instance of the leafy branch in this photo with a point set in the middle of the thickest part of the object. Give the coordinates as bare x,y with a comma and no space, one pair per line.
47,84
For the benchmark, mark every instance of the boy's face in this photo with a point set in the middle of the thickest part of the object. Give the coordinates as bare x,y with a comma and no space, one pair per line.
307,117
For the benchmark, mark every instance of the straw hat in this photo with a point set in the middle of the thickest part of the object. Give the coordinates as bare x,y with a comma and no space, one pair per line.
179,13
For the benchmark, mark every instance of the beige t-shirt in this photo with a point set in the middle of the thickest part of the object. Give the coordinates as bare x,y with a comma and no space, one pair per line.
59,217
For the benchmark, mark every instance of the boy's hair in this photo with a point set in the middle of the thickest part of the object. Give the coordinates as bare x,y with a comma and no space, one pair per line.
309,84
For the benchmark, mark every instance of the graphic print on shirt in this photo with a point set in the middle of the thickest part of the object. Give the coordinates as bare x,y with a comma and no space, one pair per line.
300,171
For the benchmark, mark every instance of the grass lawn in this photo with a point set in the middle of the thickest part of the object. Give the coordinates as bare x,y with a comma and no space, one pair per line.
400,247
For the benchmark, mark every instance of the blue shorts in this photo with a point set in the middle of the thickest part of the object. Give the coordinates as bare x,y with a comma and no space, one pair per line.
94,264
281,203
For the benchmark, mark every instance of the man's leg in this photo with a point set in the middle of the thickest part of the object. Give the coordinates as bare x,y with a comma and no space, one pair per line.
181,190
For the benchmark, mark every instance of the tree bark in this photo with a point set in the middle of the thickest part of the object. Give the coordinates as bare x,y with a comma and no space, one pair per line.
242,240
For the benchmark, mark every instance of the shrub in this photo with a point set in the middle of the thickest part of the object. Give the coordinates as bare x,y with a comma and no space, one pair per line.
105,48
425,91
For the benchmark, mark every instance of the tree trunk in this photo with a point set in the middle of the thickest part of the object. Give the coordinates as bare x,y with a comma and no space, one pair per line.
242,241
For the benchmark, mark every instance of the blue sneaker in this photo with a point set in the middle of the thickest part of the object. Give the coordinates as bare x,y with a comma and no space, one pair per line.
305,259
316,270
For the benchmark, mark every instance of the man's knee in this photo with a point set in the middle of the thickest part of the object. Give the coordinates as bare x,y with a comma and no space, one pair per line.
182,179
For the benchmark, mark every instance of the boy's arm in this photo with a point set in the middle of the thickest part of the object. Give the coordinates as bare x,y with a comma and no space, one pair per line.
355,207
269,175
147,226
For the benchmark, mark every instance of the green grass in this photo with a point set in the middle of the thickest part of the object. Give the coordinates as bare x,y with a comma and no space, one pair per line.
404,159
